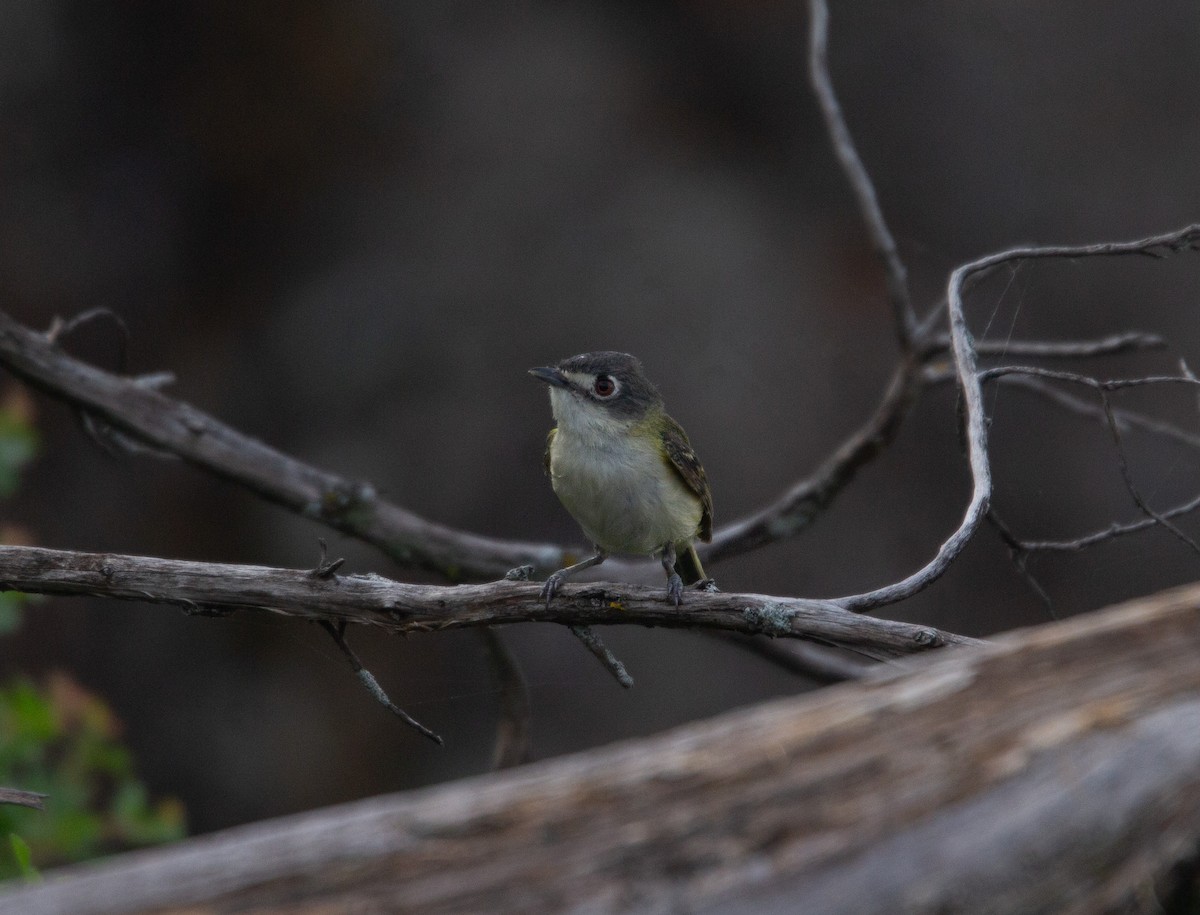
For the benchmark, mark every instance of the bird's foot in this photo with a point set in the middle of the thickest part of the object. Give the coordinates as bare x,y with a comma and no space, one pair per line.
707,584
550,588
675,589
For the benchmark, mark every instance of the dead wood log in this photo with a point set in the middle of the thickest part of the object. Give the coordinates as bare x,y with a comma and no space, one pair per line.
1054,770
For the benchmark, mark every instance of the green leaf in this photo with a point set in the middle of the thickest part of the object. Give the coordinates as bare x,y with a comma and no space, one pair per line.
63,741
32,714
18,445
24,857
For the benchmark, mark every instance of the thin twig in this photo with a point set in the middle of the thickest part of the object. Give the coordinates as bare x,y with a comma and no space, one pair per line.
1131,487
1020,559
1099,384
895,272
1112,532
338,632
610,661
326,568
21,798
1126,419
1114,345
1116,421
60,329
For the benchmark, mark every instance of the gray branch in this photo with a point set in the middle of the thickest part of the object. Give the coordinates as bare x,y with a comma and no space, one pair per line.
400,607
1113,345
21,798
354,508
975,419
895,272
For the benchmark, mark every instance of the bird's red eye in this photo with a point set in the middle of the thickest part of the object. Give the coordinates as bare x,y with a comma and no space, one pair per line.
604,386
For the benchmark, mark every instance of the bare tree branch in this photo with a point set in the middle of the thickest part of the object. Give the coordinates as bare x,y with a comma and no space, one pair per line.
1131,487
1126,419
338,632
1054,770
895,272
798,506
970,387
351,507
1112,532
21,798
1020,559
1114,345
400,607
600,652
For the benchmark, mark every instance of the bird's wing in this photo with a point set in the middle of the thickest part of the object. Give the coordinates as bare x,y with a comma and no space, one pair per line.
687,465
546,457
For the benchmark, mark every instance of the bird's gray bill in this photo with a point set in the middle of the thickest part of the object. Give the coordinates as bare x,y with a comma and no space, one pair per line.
550,375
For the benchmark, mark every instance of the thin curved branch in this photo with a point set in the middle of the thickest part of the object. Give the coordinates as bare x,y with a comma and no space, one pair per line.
1126,419
970,386
796,508
200,587
1113,345
19,798
1113,419
352,507
895,273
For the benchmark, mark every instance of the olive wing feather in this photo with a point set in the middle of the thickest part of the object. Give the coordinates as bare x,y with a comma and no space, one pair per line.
689,468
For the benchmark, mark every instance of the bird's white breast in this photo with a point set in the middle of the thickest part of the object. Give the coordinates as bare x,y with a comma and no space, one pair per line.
619,486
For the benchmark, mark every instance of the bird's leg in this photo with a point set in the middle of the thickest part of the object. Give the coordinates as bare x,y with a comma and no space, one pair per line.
674,582
552,583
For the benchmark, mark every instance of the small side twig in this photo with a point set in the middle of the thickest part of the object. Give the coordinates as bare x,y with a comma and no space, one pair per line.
1131,487
1126,419
325,569
59,329
338,632
611,663
1112,532
1114,345
19,798
1020,558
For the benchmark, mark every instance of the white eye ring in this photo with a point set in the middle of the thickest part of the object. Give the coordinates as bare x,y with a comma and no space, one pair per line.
605,386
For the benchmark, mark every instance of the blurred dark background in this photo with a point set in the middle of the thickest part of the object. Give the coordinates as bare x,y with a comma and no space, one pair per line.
350,227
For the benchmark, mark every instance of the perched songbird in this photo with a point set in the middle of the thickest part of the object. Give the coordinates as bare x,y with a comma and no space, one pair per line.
623,468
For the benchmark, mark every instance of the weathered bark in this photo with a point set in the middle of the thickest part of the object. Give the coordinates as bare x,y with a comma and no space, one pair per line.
403,607
1056,770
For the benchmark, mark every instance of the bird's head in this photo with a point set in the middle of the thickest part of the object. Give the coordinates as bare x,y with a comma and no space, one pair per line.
598,390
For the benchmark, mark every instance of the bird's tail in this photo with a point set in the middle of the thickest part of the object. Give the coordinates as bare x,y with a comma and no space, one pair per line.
687,563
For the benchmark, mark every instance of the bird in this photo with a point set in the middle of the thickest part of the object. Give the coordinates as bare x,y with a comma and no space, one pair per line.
624,469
